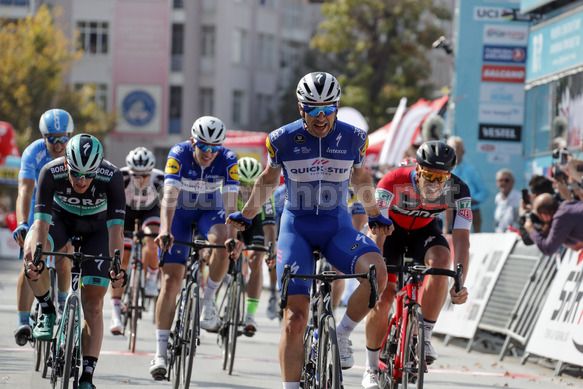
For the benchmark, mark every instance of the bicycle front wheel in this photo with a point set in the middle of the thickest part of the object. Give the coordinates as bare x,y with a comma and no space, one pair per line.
68,344
192,333
388,379
329,373
235,317
134,308
414,358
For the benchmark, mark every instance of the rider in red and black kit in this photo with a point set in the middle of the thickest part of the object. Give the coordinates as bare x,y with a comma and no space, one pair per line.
413,196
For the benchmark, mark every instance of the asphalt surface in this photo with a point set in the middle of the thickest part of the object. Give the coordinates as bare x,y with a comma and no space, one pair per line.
256,364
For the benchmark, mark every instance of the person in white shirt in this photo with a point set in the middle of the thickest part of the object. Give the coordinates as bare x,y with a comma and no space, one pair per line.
507,201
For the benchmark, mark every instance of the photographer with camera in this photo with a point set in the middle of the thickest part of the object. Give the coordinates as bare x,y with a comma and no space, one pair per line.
560,223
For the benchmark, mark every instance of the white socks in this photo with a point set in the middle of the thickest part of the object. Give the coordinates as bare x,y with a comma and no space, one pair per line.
162,342
346,325
372,359
291,385
211,288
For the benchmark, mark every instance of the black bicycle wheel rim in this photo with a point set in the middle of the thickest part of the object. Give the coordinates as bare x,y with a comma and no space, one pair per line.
46,355
38,354
225,309
414,358
69,341
235,318
194,334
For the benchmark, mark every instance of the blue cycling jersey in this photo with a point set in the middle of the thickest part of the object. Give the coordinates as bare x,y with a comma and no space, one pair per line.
317,170
200,187
34,157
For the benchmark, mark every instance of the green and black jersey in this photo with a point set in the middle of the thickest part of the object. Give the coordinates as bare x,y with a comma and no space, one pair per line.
104,200
267,214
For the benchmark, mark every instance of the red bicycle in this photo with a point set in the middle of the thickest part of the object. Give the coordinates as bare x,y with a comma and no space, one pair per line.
402,357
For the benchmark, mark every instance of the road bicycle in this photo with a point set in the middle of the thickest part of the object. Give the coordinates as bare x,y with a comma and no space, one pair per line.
65,356
321,368
232,306
134,298
185,335
402,356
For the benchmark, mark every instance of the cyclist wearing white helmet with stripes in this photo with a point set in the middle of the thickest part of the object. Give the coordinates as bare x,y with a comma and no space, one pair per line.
201,182
142,185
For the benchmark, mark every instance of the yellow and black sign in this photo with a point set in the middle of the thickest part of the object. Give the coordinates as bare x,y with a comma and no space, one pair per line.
172,166
8,173
234,172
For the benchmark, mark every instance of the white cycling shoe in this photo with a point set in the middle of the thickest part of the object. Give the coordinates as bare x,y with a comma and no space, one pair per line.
370,379
159,368
210,319
345,351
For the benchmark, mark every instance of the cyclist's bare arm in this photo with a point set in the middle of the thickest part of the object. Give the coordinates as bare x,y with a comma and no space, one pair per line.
230,202
168,208
264,187
23,200
461,248
38,233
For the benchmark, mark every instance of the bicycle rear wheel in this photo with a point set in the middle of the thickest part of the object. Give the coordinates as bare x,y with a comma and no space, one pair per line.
414,358
329,372
191,335
235,317
307,379
176,359
387,372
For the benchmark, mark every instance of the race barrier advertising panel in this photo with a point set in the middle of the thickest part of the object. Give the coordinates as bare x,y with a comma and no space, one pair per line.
488,253
558,333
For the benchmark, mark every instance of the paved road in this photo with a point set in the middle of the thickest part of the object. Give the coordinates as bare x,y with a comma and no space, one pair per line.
256,364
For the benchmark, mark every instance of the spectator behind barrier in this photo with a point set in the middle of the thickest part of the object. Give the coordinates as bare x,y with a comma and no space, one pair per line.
507,201
560,224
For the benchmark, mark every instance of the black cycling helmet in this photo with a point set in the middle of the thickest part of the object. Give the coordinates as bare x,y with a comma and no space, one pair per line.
435,154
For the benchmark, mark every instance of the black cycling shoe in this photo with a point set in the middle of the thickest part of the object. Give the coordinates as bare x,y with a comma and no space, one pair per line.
23,334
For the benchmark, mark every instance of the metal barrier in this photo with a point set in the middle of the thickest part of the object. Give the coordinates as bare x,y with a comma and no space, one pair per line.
510,288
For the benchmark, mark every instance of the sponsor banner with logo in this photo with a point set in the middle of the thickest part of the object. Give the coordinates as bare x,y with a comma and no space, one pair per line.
500,93
510,133
498,73
486,262
505,34
505,148
139,107
555,46
500,113
508,54
558,332
529,5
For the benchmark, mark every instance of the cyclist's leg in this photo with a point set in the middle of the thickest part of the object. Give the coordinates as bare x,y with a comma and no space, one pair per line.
63,269
352,252
212,225
437,255
295,251
254,235
172,265
94,284
24,300
116,327
151,225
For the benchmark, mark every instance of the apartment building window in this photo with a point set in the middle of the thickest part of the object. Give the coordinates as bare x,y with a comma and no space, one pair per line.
207,101
239,46
93,37
266,51
175,110
265,108
178,4
177,47
238,107
208,41
99,93
15,2
267,3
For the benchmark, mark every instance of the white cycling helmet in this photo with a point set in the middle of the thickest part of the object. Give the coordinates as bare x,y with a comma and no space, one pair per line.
140,159
84,154
209,129
318,88
249,170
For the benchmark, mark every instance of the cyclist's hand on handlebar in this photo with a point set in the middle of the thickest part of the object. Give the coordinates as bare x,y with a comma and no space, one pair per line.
380,225
270,261
458,297
234,248
239,221
164,240
31,271
118,280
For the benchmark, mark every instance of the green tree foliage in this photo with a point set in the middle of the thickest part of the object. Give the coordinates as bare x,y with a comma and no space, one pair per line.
36,56
378,50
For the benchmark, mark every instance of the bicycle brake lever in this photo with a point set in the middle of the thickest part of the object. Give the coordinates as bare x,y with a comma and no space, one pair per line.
458,277
372,279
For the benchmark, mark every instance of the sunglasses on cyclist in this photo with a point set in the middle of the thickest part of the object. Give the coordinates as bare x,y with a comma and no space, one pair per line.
57,139
315,110
140,175
78,175
429,176
205,148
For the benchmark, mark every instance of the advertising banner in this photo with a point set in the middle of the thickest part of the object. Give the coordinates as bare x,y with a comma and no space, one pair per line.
530,5
558,333
486,262
555,46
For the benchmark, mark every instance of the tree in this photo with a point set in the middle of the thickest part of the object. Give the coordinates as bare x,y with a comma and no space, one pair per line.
377,49
36,56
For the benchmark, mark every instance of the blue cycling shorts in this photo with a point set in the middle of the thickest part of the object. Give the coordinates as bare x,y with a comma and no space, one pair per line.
182,229
333,235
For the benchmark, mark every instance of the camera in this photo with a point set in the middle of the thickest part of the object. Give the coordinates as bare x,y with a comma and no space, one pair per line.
536,222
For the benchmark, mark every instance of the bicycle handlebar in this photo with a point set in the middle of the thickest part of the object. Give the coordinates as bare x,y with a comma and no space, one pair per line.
327,277
433,271
78,257
198,244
